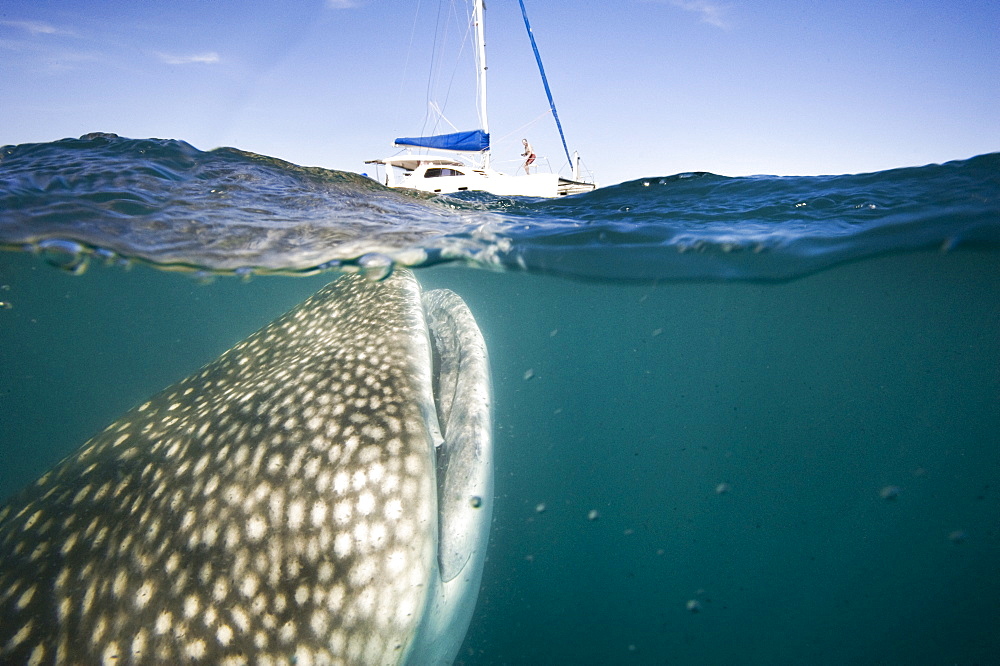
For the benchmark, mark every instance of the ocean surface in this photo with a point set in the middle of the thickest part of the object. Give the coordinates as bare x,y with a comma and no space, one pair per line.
737,420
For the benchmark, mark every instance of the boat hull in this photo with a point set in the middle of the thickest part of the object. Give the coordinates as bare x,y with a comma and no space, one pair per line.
443,175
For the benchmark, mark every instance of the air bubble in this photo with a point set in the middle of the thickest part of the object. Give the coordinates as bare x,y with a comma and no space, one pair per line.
476,501
105,256
203,277
722,488
593,514
693,606
67,255
375,267
889,493
332,265
244,273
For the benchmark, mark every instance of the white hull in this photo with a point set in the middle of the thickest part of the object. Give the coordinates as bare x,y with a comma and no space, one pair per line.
444,175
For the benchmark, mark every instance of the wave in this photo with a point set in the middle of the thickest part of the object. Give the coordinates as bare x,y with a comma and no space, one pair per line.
171,205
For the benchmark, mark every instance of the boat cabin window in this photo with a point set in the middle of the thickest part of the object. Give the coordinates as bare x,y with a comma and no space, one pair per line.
436,172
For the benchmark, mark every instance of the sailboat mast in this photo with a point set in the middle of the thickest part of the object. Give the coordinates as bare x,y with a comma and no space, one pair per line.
478,9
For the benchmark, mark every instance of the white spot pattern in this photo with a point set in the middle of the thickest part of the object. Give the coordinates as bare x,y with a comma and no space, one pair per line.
277,502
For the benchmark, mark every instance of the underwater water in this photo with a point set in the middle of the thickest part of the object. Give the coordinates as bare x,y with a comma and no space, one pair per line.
737,420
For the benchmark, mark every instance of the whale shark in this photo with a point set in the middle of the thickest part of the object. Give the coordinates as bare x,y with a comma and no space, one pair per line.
321,493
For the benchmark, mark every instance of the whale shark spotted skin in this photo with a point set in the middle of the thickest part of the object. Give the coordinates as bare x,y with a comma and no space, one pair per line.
319,494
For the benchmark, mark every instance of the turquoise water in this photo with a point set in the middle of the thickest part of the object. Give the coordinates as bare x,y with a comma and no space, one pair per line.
781,396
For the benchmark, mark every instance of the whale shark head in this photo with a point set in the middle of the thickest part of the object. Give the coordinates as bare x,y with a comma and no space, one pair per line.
319,494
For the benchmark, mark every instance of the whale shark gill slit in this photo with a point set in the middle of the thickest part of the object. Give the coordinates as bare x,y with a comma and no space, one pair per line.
297,500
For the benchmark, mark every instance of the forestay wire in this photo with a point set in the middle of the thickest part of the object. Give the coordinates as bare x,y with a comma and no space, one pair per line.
545,81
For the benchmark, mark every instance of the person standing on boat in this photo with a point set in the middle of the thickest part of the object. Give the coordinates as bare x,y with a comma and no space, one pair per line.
528,155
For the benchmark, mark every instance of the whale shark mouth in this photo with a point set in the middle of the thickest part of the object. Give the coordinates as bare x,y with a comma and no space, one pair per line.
462,396
321,492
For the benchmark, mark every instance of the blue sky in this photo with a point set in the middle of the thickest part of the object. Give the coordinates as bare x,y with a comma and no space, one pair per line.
643,87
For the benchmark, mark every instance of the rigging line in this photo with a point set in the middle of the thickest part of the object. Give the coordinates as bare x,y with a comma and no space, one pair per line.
524,126
440,115
466,39
406,65
442,48
434,58
545,81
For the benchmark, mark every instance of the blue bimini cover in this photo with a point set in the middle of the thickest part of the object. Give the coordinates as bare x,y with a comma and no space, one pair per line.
474,141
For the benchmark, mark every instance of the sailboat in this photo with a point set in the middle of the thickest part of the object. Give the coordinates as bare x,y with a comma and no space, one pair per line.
448,173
